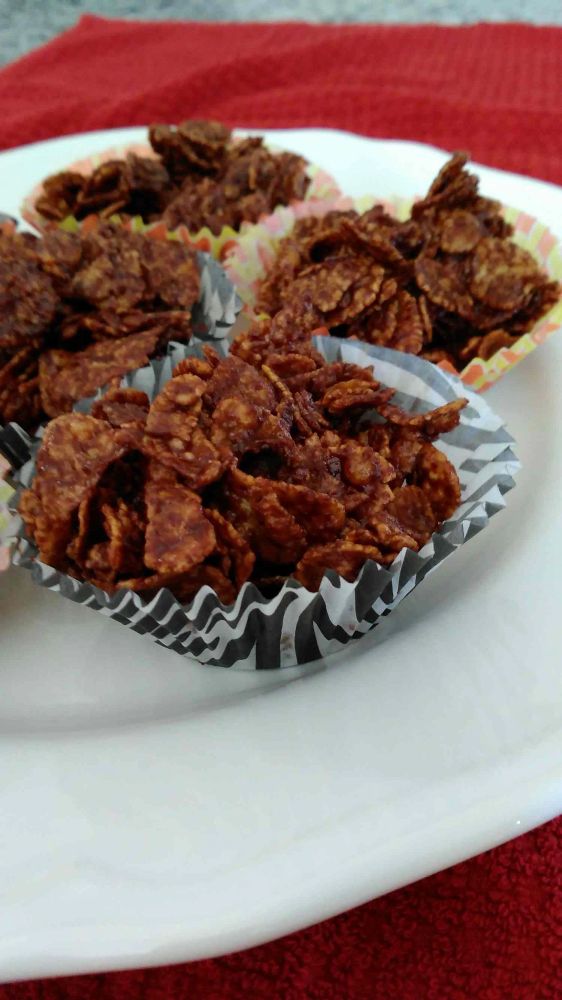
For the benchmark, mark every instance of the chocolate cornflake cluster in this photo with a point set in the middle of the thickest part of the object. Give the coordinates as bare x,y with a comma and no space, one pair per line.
448,283
78,310
240,471
200,176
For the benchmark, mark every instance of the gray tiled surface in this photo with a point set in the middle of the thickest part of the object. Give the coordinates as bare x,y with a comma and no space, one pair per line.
25,24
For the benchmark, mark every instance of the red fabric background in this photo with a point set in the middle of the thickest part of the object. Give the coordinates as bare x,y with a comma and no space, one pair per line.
489,929
494,89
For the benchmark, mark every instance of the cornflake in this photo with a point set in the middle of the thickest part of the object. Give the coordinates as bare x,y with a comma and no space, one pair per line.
448,283
240,472
78,310
198,175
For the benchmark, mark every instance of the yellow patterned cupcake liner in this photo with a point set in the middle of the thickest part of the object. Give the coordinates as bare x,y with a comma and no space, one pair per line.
322,187
248,262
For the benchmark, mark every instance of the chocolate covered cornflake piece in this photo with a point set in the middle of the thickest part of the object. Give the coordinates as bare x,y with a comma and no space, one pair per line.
64,377
448,283
239,473
178,535
80,309
197,175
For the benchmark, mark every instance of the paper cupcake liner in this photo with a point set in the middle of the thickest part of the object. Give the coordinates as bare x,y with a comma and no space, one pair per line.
5,517
298,626
212,318
218,304
7,225
322,186
248,262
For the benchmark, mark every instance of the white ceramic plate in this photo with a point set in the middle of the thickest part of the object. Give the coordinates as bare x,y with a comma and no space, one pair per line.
153,811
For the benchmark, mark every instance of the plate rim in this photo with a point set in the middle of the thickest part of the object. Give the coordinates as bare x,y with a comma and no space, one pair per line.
74,955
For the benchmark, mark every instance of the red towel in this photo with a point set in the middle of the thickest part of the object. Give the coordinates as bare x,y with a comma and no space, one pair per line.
488,929
494,89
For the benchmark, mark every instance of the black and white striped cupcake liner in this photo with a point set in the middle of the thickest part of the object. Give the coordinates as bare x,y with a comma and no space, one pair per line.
218,304
298,626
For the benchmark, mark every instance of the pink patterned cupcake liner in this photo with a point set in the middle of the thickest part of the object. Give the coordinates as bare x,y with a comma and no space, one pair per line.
248,262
